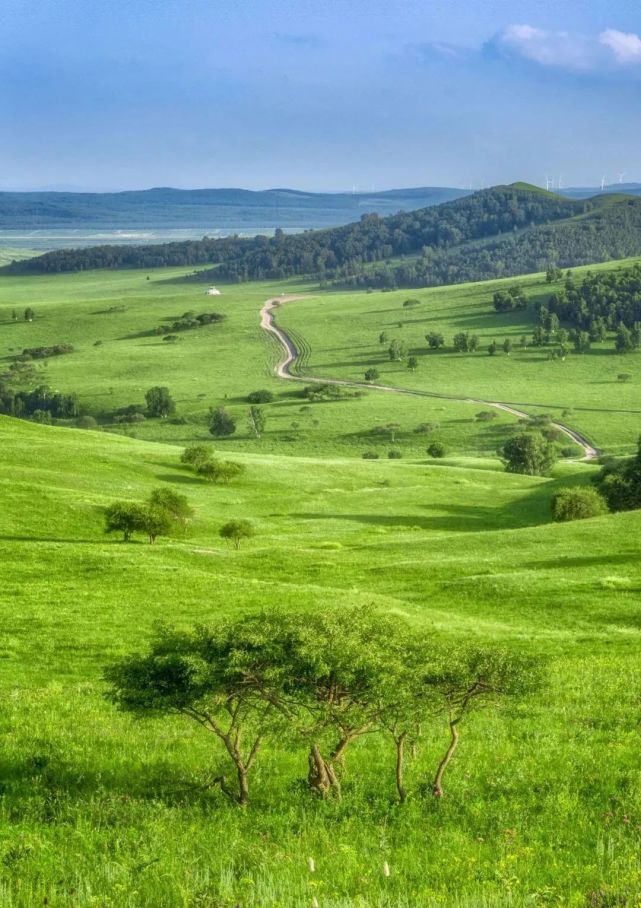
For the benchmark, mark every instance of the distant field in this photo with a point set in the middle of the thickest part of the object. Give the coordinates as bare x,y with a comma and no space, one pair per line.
8,253
543,803
342,331
211,366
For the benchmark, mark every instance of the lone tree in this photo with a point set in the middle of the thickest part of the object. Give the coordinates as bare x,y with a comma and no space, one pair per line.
256,421
221,423
412,363
159,402
29,314
372,375
530,453
237,530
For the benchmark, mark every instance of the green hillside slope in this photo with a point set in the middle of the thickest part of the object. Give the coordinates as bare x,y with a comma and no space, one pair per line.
84,819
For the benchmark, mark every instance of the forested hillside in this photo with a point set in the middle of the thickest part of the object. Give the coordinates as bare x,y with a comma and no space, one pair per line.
337,253
499,232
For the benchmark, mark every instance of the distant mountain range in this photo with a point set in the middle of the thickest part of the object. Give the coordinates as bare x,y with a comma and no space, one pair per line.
207,209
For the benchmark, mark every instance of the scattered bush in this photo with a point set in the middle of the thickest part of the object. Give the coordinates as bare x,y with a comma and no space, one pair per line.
394,454
370,455
436,449
237,530
44,352
577,504
260,397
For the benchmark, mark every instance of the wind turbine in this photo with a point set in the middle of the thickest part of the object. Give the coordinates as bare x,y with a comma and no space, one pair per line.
603,179
548,182
560,183
621,175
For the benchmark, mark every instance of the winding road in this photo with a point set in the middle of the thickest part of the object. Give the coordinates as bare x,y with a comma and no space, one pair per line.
283,370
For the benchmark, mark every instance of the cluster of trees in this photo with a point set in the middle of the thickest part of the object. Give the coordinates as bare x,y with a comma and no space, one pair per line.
322,392
45,352
165,511
186,322
509,300
200,459
321,681
620,483
41,404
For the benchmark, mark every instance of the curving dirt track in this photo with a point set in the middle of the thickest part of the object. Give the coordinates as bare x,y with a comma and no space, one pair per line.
283,370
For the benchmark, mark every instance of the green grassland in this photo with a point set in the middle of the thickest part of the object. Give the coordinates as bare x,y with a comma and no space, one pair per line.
211,366
342,332
543,802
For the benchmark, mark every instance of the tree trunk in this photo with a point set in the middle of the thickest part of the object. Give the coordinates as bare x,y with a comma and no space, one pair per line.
437,787
400,765
243,785
318,778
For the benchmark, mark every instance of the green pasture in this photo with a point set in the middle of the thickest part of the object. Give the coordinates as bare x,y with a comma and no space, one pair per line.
104,314
342,331
543,802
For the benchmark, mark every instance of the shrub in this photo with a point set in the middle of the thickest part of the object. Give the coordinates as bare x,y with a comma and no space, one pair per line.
486,415
624,376
260,397
436,449
394,454
195,455
86,422
370,455
424,427
577,504
236,530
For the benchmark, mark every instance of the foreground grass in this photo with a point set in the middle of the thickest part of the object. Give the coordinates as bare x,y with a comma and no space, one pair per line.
543,803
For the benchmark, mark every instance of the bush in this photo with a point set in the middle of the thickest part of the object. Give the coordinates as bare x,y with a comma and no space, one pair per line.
86,422
624,376
577,504
486,415
436,449
425,427
370,455
260,397
395,454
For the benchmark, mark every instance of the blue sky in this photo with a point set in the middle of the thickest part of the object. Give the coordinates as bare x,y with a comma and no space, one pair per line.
318,94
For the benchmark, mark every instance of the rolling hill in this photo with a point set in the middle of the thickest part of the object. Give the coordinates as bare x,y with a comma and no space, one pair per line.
503,231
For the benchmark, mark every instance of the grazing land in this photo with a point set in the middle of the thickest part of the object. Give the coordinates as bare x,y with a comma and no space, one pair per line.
542,801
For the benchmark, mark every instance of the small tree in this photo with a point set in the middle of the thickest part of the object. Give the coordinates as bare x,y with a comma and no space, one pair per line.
412,363
436,449
220,470
577,504
29,314
221,423
210,677
530,453
372,375
174,503
124,517
195,455
237,530
623,340
507,346
471,678
492,348
159,402
383,338
435,340
157,521
397,351
624,376
256,421
260,397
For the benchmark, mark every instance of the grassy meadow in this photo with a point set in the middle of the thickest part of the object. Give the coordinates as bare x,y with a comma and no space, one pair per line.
342,331
543,798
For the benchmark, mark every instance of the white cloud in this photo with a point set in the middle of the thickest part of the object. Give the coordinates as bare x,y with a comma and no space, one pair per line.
626,46
548,48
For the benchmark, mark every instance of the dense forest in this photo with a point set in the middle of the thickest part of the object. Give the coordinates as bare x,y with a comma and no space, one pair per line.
338,253
611,298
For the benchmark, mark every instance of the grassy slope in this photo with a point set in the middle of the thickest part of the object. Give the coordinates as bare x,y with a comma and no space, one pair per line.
543,804
342,331
210,366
